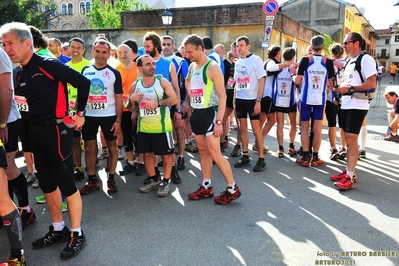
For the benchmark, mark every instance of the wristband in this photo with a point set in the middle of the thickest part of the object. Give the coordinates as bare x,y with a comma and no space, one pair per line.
118,122
389,129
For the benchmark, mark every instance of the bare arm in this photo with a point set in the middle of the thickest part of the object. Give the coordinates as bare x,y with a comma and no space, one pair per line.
5,103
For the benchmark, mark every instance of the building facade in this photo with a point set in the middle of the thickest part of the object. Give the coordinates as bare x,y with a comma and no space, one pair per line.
387,47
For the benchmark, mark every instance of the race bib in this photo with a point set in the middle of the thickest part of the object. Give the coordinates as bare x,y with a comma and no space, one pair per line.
197,96
125,100
98,102
243,83
145,112
21,103
72,107
230,83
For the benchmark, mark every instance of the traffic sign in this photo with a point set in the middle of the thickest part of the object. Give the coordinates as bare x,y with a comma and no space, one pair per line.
268,33
269,23
270,7
269,17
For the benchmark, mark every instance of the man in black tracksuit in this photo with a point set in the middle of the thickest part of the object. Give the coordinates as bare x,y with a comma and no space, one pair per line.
44,85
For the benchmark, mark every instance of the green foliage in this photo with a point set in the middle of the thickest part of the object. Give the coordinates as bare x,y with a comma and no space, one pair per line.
26,11
107,16
327,42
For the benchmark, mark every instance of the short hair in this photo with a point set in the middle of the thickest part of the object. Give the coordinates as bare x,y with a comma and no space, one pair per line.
57,41
317,43
273,51
65,45
132,44
356,37
221,47
156,40
391,93
20,30
39,39
230,54
75,39
288,53
207,42
101,42
234,44
139,60
194,40
167,37
336,49
243,38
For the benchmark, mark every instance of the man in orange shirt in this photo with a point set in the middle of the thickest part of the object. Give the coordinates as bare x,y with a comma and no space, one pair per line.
129,74
392,71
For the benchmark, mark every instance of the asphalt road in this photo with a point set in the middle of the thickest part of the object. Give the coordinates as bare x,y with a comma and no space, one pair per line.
287,215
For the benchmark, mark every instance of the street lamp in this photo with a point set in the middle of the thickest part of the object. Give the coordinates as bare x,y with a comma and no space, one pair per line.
167,19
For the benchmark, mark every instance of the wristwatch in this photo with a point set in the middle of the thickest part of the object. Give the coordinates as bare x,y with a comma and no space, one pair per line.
351,89
3,125
258,99
218,122
81,113
159,103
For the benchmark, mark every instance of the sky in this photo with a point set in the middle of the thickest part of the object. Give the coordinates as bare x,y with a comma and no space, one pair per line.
380,14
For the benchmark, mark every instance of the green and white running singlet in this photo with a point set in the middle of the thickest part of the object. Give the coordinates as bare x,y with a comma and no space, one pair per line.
202,92
157,120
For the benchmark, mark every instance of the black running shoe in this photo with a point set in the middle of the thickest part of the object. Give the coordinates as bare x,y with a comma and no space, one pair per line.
27,217
74,245
140,170
79,175
175,177
52,237
180,164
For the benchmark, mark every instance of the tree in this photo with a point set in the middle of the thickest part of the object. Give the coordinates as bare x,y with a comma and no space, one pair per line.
327,42
27,11
108,15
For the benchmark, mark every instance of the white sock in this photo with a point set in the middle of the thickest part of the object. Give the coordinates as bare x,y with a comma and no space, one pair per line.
58,226
79,230
131,162
206,183
27,208
362,138
231,188
187,141
349,173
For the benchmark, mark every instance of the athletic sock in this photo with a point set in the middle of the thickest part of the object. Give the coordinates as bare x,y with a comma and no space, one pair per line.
92,178
79,230
13,225
111,176
20,188
206,183
231,188
59,226
362,138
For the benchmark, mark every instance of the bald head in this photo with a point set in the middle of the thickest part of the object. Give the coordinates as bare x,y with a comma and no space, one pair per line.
219,49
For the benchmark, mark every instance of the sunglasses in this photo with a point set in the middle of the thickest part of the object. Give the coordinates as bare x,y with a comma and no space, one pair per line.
348,42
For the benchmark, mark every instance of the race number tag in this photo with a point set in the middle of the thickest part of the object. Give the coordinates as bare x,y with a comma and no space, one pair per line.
98,102
197,96
243,83
230,83
21,103
125,100
145,112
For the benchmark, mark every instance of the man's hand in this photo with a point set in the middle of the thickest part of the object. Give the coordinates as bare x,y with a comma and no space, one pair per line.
80,120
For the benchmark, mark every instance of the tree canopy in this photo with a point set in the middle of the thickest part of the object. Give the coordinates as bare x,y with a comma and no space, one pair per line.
107,16
26,11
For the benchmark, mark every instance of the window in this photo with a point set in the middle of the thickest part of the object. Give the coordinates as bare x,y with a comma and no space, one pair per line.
82,8
383,52
70,9
386,41
63,9
396,38
88,7
397,52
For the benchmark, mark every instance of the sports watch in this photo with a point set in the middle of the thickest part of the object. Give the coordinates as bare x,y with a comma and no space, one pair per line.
160,103
218,122
351,89
81,113
3,125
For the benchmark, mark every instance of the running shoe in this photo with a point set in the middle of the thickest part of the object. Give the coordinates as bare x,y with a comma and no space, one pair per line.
74,245
111,186
27,217
151,186
255,148
342,153
141,170
79,175
316,162
305,162
280,153
103,154
244,161
41,199
35,183
260,165
338,177
202,192
292,151
334,154
345,183
30,178
175,177
236,151
180,163
163,189
127,169
392,138
90,186
226,197
362,154
190,148
9,261
64,206
52,237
